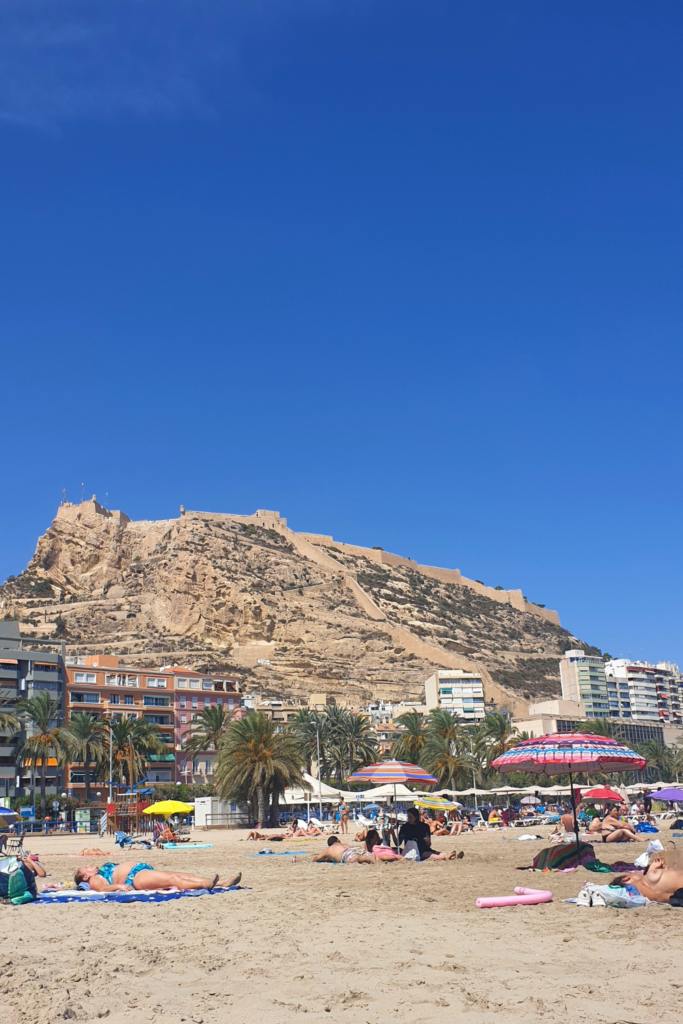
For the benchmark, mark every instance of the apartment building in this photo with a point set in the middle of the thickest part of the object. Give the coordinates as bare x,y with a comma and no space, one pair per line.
102,685
27,667
194,692
654,693
457,691
584,681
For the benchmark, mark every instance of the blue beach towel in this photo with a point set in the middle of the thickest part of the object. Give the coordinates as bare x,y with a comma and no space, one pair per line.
138,896
187,846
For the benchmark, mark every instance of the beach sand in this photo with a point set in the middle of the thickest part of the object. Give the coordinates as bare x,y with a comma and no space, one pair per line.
317,942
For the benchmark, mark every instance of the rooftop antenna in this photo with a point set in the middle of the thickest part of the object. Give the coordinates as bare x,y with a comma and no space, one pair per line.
82,490
64,498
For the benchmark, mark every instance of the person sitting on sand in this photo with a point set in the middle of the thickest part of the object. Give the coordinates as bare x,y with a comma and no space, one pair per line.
374,845
112,877
338,853
613,830
658,882
93,851
416,831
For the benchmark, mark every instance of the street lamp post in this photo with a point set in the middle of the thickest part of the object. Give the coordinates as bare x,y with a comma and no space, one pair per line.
320,788
111,763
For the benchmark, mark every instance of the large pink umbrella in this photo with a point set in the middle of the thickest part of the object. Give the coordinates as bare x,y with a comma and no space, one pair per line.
562,753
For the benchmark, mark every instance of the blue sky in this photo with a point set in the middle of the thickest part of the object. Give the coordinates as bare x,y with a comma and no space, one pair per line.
409,273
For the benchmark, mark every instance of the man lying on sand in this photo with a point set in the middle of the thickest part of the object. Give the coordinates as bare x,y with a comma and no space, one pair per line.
339,853
112,877
658,882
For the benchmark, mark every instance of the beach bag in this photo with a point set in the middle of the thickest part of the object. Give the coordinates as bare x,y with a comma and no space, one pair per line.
411,850
16,884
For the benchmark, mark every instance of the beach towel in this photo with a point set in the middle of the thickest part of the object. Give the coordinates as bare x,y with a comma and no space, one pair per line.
559,858
187,846
136,896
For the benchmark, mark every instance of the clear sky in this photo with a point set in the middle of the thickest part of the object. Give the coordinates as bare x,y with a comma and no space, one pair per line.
408,272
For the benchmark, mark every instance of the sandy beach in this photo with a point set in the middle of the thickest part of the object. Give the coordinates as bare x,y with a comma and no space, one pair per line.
340,943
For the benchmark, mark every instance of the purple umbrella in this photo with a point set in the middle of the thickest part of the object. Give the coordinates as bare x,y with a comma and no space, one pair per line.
670,795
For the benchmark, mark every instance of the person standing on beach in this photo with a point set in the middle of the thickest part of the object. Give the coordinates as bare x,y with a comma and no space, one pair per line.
343,817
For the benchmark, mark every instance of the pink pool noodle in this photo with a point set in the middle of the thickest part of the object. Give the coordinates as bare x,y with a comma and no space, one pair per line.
523,898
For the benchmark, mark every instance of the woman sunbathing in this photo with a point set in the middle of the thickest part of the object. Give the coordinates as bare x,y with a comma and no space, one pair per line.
613,830
112,877
658,882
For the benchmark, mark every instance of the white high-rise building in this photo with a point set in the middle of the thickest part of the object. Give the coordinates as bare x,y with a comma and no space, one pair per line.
457,691
655,692
583,681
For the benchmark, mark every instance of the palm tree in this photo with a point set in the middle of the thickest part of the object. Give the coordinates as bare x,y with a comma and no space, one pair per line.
208,730
410,745
85,738
602,727
310,729
359,740
446,759
47,738
254,760
133,742
348,741
9,722
498,734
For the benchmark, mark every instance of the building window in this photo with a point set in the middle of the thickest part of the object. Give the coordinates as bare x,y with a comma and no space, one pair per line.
128,698
156,702
85,698
114,698
157,681
85,677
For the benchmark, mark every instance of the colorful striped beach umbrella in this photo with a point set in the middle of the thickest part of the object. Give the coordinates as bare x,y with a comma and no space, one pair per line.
394,772
566,753
436,803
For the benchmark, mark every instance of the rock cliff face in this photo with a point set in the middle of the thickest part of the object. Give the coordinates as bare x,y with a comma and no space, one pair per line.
290,613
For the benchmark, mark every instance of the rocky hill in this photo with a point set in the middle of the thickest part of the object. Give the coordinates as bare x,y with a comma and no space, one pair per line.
290,613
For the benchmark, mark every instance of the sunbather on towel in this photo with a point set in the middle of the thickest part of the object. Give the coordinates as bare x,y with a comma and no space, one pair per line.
658,882
338,853
112,877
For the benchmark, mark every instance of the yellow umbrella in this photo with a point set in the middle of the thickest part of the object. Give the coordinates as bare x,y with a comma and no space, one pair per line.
165,808
436,803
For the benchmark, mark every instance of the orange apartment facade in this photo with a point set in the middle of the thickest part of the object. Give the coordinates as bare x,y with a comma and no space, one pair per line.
168,698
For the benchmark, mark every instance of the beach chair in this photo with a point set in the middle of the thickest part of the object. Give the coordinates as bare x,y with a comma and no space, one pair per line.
126,842
13,846
323,826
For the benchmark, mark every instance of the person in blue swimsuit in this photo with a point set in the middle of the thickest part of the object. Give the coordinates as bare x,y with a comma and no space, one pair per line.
111,877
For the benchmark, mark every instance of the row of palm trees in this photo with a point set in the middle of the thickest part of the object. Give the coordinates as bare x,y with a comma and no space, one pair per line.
456,752
257,761
85,739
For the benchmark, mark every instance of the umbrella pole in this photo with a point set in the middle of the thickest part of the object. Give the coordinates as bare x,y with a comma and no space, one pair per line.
576,820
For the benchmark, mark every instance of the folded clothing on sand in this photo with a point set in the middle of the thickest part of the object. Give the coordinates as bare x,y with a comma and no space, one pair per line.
136,896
